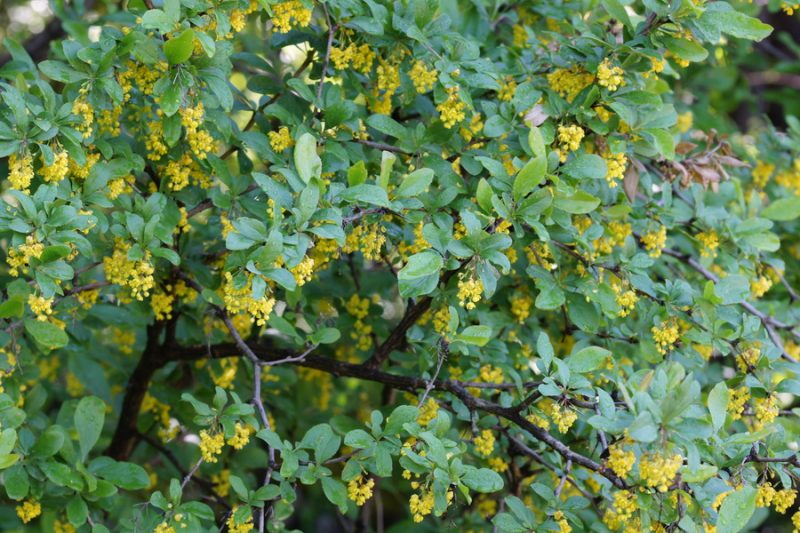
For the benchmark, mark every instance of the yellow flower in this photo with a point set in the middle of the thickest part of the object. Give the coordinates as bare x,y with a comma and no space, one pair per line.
428,412
234,527
619,460
452,109
422,77
58,170
736,402
665,336
40,306
710,242
507,90
241,437
28,510
610,77
658,469
617,163
359,489
655,241
470,291
484,443
211,445
280,140
569,82
784,499
135,275
290,14
20,171
569,140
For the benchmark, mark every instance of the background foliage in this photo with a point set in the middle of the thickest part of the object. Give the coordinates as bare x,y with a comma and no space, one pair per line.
416,265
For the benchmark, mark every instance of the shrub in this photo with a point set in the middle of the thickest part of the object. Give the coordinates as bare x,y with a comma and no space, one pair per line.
466,265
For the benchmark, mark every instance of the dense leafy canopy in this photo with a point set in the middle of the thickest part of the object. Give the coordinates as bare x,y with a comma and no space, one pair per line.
314,265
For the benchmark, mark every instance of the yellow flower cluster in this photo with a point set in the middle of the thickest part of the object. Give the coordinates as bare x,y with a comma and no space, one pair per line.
507,90
765,495
766,410
521,303
747,360
759,286
166,431
200,141
120,186
303,271
421,505
569,82
623,508
361,57
361,332
761,173
423,77
561,520
211,445
241,437
626,300
484,443
498,464
85,111
452,109
569,140
710,242
539,253
665,335
784,499
616,163
290,14
164,527
244,527
441,321
82,171
40,306
610,77
63,526
29,510
428,412
323,252
388,81
470,290
491,374
161,304
562,416
359,489
655,241
240,300
685,122
19,258
58,170
280,140
620,461
736,402
658,469
154,142
222,482
134,275
366,238
20,171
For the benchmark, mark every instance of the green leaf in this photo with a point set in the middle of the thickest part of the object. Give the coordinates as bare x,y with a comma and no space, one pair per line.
325,336
179,49
477,335
482,480
306,160
736,510
579,203
415,183
588,359
127,476
400,416
536,143
13,307
89,417
484,195
529,177
336,492
46,334
387,125
718,404
357,174
358,438
586,166
724,18
733,289
420,275
783,209
366,193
